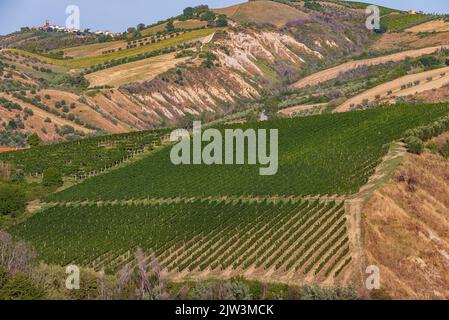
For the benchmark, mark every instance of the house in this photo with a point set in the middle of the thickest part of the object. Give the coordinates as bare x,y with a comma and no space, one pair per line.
413,11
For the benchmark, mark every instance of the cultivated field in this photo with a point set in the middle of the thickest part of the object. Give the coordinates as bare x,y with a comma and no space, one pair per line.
431,26
332,73
188,24
86,156
300,239
318,155
262,12
404,86
86,62
138,71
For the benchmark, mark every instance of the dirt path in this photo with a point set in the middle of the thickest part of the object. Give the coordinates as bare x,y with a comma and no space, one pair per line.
439,77
332,73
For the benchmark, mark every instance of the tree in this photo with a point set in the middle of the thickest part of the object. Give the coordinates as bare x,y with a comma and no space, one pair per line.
188,13
140,26
12,200
208,16
170,26
34,140
52,178
221,21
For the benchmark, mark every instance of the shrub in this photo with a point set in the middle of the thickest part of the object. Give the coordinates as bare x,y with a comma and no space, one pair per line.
414,145
52,178
34,140
12,200
20,287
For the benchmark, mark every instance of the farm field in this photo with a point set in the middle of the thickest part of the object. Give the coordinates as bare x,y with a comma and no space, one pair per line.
261,12
84,156
306,237
138,71
431,26
85,62
188,24
400,21
318,155
404,86
332,73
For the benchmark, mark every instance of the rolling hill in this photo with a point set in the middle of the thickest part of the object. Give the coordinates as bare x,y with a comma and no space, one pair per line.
362,147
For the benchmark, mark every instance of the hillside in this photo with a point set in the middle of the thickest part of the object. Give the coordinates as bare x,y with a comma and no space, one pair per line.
356,173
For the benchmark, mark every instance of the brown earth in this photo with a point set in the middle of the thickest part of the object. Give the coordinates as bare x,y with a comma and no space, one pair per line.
431,26
440,77
406,229
409,40
263,12
332,73
433,96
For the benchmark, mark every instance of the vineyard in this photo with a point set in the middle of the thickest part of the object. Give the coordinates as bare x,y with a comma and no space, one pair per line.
333,154
299,237
86,156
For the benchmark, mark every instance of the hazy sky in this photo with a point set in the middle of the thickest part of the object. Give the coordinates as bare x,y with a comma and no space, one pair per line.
117,15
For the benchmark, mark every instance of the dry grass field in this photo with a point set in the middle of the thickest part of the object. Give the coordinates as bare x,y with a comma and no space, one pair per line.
262,12
332,73
401,87
85,62
405,230
188,24
138,71
431,26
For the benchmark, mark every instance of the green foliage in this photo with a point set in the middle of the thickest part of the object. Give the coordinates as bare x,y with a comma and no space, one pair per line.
20,287
242,240
315,292
336,154
18,176
415,138
12,200
313,5
414,145
52,178
34,140
398,22
170,27
85,156
221,21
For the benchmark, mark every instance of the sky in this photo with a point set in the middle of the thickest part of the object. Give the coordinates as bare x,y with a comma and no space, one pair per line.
118,15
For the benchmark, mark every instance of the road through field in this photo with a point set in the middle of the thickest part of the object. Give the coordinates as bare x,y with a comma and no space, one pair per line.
332,73
415,83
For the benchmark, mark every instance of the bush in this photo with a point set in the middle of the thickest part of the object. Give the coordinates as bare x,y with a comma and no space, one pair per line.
12,200
18,176
34,140
316,292
414,145
20,287
52,178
